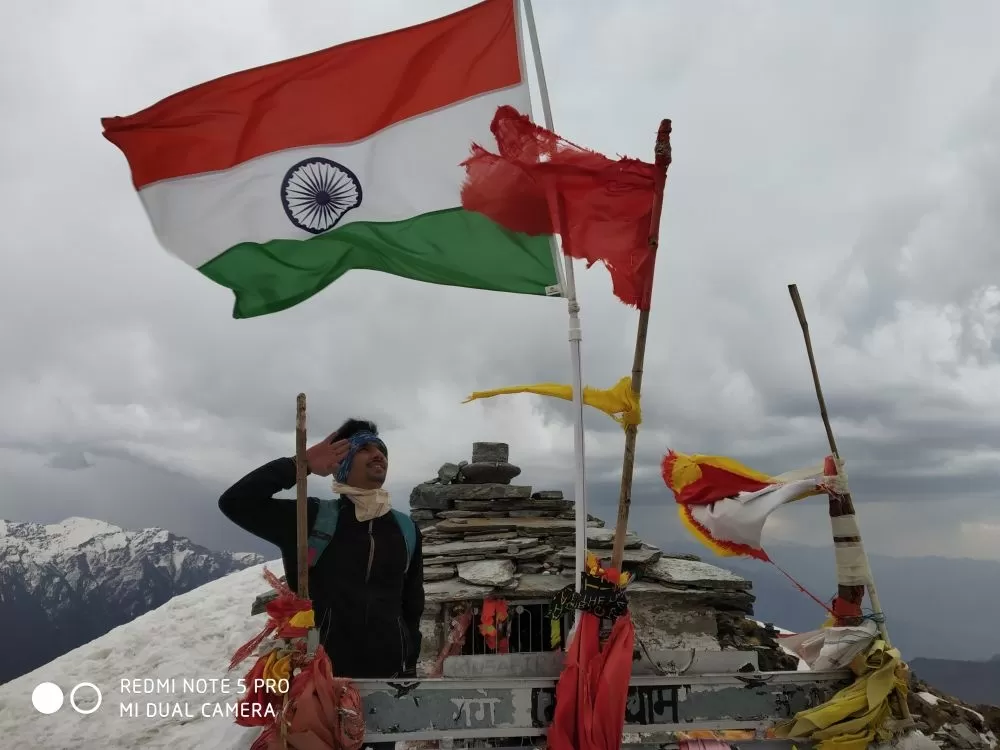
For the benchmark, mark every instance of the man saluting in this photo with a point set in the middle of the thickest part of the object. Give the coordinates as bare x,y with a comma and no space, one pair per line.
365,564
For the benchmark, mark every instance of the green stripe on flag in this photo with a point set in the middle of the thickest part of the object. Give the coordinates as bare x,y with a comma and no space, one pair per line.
452,247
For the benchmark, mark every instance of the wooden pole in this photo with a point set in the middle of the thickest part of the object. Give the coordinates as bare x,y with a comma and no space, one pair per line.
840,505
301,492
843,505
663,158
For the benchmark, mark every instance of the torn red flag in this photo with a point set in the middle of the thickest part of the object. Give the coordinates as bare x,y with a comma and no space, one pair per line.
539,183
592,691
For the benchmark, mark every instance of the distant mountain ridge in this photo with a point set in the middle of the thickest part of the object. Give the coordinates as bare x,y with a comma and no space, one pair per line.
63,585
936,607
975,682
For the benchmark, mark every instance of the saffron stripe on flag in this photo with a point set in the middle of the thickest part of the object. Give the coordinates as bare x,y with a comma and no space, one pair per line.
320,98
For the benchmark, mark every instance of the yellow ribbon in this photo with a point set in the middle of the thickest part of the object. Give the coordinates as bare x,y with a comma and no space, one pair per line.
278,666
859,714
304,619
619,402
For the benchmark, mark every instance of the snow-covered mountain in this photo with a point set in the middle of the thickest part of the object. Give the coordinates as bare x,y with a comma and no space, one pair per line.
188,640
65,584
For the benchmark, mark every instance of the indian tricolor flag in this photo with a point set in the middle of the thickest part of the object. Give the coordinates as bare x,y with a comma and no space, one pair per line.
276,181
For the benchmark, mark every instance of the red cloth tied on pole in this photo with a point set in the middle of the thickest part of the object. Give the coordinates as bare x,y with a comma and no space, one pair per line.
291,693
593,688
280,612
539,183
322,712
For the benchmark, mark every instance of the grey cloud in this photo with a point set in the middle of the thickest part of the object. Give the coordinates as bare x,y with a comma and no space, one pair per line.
850,150
70,461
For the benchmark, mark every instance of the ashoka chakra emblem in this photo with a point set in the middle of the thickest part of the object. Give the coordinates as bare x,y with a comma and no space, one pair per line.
317,192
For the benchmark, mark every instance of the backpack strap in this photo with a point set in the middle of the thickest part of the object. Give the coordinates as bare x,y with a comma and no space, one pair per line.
409,530
323,528
326,525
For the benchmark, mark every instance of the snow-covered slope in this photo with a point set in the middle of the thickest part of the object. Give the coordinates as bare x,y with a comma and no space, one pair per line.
189,639
62,585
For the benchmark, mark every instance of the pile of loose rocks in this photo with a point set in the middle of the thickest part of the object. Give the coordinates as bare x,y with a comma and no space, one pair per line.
951,723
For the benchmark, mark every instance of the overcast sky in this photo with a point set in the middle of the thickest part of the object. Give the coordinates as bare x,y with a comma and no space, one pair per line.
850,147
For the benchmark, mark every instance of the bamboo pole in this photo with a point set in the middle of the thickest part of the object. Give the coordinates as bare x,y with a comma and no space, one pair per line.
840,505
301,504
843,505
664,156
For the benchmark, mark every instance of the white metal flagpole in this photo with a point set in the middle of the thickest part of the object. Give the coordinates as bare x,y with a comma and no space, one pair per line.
573,307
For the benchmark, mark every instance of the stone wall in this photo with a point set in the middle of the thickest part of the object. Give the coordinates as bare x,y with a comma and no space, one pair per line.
486,537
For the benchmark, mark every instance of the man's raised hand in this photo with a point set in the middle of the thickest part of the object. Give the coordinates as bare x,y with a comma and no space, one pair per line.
324,458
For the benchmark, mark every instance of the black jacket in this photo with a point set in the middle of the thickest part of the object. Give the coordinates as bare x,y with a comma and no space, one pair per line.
367,607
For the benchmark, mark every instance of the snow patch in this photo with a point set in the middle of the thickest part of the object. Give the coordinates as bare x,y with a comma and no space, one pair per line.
192,636
974,713
928,698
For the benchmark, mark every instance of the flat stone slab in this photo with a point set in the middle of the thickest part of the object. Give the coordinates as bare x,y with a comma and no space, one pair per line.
531,525
488,537
509,506
539,584
423,497
499,573
605,538
482,548
689,573
548,495
534,553
438,572
454,590
442,496
594,521
643,556
452,559
471,514
682,556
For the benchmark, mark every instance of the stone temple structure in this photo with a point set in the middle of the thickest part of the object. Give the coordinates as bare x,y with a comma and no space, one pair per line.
485,537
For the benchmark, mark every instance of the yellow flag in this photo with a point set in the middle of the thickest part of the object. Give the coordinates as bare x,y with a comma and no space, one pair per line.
619,402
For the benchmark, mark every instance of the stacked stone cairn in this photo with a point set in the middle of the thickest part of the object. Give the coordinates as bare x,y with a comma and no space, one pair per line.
484,537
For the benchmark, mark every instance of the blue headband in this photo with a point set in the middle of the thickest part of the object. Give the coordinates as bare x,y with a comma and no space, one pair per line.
358,441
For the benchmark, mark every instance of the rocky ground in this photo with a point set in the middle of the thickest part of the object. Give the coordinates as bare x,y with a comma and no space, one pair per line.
950,722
